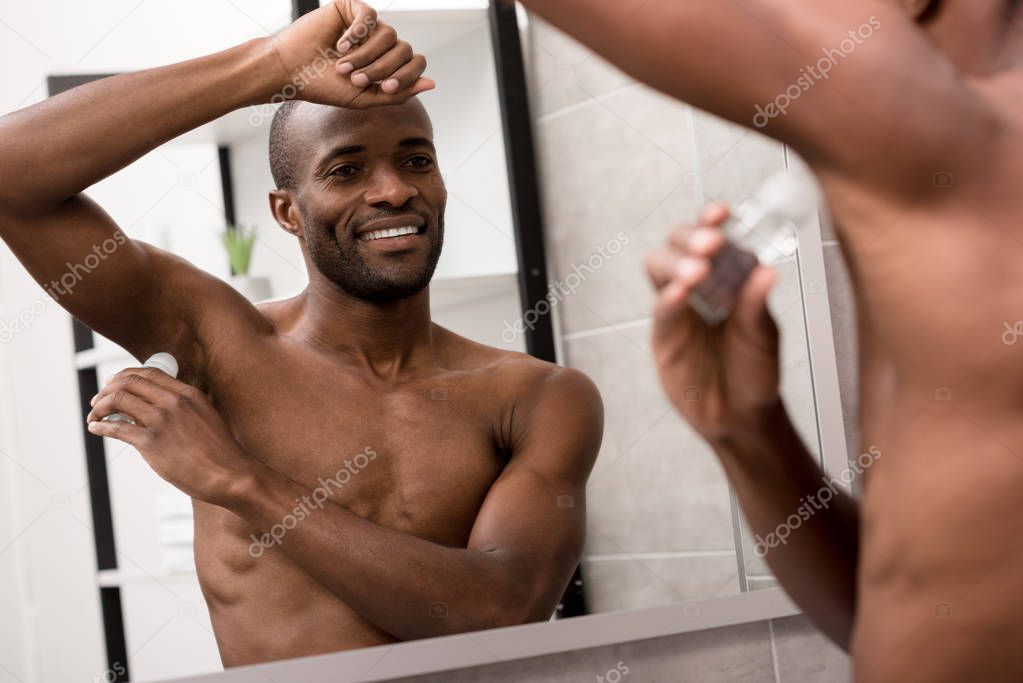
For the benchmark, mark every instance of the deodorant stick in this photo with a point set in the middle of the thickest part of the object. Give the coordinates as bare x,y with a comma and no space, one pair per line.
161,361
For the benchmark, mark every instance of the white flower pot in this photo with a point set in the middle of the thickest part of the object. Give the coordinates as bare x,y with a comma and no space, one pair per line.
254,288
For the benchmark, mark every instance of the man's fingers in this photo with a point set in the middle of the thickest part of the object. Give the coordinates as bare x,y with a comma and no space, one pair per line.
377,45
125,402
666,265
374,96
384,70
751,312
674,319
151,384
714,214
701,241
122,431
405,76
361,22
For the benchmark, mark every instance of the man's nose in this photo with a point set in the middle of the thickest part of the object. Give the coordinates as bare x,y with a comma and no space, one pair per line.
388,187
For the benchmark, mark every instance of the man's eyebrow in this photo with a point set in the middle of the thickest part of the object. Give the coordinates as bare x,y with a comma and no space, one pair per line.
417,142
341,152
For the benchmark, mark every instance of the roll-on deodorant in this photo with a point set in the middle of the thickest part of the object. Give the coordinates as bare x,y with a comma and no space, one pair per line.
763,228
161,361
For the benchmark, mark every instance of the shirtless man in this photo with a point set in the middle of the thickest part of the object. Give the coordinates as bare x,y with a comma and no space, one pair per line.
360,475
908,112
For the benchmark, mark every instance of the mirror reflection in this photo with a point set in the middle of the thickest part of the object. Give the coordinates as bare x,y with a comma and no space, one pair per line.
300,343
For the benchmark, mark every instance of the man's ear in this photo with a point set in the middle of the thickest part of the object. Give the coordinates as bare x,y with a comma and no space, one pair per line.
920,10
285,212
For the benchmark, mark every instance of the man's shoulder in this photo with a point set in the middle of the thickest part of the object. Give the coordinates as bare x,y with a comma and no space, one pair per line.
519,372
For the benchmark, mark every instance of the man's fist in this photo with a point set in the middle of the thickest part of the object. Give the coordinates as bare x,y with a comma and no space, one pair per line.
721,378
342,55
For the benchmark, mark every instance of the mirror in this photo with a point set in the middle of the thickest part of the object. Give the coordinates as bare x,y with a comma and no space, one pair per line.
626,164
618,165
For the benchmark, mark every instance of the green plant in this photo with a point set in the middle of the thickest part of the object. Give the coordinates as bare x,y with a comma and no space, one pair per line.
239,242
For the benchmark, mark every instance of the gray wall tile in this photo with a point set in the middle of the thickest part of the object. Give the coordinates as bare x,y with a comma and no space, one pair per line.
733,161
564,73
620,167
656,487
806,656
631,583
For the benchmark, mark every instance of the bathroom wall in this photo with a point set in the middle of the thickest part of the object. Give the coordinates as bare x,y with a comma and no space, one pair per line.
621,165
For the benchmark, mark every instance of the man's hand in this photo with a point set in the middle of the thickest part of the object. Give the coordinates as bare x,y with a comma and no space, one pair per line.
177,430
342,55
721,378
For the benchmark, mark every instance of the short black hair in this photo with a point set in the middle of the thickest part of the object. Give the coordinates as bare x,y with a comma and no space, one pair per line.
283,143
282,157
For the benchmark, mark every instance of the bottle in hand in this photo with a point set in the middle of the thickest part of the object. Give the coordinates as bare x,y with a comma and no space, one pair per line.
161,361
761,230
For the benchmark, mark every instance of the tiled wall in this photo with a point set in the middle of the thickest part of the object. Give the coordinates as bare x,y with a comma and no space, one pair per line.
621,164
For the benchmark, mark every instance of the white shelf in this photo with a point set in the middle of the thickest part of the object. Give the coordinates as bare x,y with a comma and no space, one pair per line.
115,578
102,354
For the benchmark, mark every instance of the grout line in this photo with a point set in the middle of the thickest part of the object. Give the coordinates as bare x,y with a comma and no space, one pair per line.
774,651
603,97
593,332
680,555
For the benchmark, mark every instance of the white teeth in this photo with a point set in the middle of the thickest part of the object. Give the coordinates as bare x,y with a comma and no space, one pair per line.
389,232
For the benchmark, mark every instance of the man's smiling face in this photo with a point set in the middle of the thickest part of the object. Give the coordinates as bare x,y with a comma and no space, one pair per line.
371,197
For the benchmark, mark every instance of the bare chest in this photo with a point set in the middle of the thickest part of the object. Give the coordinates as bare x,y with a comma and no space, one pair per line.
419,457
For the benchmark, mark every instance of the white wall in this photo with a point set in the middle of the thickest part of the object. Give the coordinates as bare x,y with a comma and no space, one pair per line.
51,628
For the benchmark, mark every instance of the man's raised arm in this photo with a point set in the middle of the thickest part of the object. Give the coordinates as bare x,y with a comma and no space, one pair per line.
844,83
142,297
